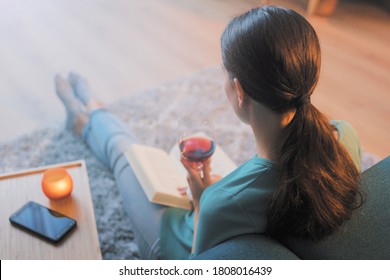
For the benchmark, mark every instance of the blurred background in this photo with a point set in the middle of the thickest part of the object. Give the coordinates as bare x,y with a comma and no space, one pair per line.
126,46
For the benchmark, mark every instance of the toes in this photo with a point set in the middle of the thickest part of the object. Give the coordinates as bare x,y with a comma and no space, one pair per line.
61,84
58,79
81,87
76,79
73,75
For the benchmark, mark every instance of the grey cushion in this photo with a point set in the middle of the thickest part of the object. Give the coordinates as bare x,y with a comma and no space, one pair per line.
252,247
365,236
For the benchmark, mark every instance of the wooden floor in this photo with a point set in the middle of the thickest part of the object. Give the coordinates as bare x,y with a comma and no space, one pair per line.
125,46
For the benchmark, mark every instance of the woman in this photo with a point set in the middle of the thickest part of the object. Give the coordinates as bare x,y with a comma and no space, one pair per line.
304,179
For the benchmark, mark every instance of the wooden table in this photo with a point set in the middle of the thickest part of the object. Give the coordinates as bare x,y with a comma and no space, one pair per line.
17,188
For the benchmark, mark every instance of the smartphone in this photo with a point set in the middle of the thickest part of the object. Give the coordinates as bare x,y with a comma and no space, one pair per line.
42,221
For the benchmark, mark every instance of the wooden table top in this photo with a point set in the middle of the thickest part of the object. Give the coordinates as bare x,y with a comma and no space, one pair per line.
19,187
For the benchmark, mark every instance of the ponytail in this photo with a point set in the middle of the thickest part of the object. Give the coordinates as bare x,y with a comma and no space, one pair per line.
318,183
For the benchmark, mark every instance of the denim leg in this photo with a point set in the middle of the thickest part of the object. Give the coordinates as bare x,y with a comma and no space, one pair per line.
108,138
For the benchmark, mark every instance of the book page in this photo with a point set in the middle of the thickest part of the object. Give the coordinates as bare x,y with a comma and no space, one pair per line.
155,170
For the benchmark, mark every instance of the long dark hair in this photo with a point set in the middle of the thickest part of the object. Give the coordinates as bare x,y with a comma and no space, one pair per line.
275,54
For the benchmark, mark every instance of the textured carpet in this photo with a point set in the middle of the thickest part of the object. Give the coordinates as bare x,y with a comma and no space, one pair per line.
153,116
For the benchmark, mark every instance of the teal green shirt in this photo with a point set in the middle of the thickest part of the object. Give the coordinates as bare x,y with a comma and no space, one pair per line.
235,205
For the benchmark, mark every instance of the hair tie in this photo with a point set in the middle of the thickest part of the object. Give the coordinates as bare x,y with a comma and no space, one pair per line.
301,100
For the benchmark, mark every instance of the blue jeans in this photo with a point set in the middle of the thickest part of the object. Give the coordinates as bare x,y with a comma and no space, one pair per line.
108,138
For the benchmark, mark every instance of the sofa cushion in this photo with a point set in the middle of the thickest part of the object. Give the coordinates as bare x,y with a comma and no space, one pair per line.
367,234
248,247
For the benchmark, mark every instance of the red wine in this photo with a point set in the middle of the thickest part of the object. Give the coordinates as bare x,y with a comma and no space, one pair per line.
197,149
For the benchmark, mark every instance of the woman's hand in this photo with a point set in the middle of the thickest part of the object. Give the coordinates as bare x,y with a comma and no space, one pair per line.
186,191
198,184
196,181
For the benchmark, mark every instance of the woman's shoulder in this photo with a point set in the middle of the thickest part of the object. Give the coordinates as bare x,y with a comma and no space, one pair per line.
256,177
343,125
349,138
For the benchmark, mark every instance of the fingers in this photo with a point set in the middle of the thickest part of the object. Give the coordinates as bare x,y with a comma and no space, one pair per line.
206,172
194,172
198,180
182,190
190,169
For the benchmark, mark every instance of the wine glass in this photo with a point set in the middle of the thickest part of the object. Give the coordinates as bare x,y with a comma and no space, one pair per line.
197,141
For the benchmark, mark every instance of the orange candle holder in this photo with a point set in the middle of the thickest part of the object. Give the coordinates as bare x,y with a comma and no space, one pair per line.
57,183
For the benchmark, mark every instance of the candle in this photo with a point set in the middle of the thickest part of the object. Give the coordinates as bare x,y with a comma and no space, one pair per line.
57,183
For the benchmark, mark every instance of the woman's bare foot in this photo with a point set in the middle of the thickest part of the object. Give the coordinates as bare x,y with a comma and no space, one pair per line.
83,91
77,116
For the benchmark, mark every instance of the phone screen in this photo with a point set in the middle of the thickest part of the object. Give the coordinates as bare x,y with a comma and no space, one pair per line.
43,221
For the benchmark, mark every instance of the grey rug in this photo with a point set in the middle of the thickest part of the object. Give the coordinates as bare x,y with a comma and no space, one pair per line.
152,115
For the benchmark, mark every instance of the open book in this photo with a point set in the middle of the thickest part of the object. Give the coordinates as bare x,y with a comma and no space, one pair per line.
160,173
